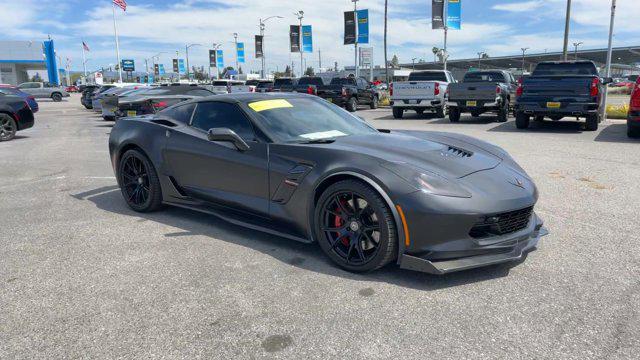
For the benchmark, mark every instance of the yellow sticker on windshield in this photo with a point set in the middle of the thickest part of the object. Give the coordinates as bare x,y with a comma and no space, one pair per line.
269,105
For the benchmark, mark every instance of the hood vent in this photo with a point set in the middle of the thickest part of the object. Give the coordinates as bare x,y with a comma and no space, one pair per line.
457,152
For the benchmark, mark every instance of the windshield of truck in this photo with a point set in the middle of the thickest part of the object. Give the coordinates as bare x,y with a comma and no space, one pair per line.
343,81
564,69
484,77
310,81
428,76
280,82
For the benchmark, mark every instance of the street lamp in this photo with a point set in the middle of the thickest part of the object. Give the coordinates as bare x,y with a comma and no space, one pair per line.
566,31
576,46
524,50
187,55
300,15
262,28
480,57
413,63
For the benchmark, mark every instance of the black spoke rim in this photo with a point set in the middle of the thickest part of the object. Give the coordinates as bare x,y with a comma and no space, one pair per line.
6,128
135,181
351,227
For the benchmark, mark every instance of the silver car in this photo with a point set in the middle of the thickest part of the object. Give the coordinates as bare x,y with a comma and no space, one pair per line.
42,90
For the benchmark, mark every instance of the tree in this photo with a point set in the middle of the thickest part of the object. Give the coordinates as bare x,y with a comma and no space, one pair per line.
335,67
386,63
395,62
309,71
36,78
240,69
287,71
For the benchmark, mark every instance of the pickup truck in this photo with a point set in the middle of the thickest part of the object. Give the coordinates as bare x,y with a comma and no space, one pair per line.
42,90
308,84
284,84
349,92
559,89
480,92
423,91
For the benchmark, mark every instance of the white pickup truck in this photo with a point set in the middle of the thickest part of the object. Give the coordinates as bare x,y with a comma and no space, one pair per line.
424,91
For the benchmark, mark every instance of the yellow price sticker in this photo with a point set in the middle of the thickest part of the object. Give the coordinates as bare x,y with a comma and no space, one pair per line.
265,105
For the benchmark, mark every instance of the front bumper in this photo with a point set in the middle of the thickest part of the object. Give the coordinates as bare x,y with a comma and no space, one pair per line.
514,248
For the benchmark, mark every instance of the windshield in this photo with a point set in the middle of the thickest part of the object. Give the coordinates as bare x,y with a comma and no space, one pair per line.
428,76
484,77
306,119
310,81
564,69
283,82
343,81
265,84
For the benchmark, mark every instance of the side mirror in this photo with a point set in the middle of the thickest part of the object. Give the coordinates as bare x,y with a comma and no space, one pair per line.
607,80
227,135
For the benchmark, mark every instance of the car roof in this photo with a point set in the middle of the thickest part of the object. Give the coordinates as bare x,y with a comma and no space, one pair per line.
251,97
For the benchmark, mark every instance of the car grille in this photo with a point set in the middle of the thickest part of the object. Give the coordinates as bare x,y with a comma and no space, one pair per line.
458,152
502,224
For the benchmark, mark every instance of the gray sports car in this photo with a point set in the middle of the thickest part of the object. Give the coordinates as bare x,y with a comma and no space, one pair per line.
299,167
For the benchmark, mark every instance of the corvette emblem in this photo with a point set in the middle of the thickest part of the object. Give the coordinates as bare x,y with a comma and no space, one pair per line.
517,182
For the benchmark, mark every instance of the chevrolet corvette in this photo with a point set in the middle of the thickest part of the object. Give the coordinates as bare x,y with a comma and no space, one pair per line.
297,166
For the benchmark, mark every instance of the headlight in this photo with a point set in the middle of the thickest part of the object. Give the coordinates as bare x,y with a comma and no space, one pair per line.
427,181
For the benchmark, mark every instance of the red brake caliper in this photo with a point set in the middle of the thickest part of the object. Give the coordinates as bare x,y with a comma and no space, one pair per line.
338,222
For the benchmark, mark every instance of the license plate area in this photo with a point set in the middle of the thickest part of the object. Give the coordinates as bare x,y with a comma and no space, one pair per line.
553,105
472,103
131,113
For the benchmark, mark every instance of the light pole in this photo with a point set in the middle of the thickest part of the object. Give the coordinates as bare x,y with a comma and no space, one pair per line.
413,64
576,44
355,42
524,50
262,28
480,57
235,41
187,55
603,108
300,15
566,32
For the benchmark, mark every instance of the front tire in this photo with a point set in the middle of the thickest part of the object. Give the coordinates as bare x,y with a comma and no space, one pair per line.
632,132
8,127
397,113
139,182
522,120
503,113
56,97
355,227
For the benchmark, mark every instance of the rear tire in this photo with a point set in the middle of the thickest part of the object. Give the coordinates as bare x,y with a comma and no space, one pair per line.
352,104
503,113
633,133
367,246
8,127
397,113
374,103
440,112
139,182
592,122
522,120
56,97
475,114
454,114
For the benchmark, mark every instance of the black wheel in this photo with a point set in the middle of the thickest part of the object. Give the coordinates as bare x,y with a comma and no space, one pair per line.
139,182
440,112
374,102
633,132
592,122
522,120
8,127
397,113
454,114
503,113
475,114
56,97
352,104
354,227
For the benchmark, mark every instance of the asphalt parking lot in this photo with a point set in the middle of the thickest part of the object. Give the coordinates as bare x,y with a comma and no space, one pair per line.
82,276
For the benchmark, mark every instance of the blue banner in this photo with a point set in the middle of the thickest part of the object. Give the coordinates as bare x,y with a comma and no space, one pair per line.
182,69
363,26
161,69
50,58
150,79
307,39
240,52
220,57
454,14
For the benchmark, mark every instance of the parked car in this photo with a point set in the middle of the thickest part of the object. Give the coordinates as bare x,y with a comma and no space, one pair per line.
44,90
284,84
296,166
30,99
308,85
158,98
111,99
15,115
480,92
557,89
265,86
424,91
349,92
71,89
225,86
633,119
87,95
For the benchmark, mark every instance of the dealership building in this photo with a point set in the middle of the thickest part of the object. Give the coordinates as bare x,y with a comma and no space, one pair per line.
18,58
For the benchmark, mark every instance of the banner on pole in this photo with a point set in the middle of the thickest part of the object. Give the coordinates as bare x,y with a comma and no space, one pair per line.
307,39
220,59
437,14
454,14
363,26
294,38
259,49
240,52
156,69
175,66
181,66
366,56
212,58
161,69
349,28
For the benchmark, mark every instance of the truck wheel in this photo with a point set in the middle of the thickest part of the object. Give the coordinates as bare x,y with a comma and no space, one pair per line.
440,112
633,132
397,113
374,103
454,114
592,122
503,113
352,105
475,114
522,120
56,97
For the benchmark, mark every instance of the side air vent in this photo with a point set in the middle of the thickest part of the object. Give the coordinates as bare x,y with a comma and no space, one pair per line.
164,122
454,151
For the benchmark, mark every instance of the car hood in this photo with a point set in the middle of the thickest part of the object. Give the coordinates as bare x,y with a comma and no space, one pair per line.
449,155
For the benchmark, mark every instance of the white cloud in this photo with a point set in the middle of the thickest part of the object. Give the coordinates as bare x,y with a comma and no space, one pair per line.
519,6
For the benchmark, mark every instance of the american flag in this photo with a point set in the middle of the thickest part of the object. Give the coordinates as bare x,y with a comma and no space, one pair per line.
85,46
121,3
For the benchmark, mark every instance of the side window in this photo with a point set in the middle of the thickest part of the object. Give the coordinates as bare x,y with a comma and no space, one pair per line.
180,113
214,114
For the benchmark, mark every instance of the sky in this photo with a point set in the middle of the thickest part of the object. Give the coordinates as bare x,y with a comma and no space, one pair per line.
149,27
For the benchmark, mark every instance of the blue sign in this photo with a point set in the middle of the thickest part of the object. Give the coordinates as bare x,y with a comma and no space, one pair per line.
363,26
50,56
161,69
182,69
307,39
150,79
128,65
220,61
454,14
240,52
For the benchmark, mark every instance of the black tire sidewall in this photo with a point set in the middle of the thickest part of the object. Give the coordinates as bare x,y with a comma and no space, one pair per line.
15,127
454,114
522,121
155,192
56,97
